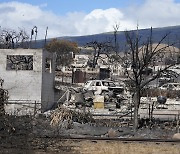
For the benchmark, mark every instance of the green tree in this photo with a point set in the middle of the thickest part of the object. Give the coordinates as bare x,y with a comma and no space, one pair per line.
64,50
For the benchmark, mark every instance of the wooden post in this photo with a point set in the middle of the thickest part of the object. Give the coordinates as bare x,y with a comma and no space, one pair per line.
178,127
35,108
131,110
149,112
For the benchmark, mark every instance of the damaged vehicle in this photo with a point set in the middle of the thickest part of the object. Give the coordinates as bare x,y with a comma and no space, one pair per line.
104,87
101,86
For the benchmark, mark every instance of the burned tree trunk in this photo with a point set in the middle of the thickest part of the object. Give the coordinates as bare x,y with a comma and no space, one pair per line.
3,98
2,111
141,57
99,48
136,101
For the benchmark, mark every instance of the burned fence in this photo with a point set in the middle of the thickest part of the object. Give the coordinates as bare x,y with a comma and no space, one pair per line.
23,107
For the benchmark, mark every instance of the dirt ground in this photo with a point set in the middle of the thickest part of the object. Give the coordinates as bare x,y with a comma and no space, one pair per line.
52,146
19,135
112,147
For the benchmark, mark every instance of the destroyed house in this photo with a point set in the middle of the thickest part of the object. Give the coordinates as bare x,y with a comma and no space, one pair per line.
28,75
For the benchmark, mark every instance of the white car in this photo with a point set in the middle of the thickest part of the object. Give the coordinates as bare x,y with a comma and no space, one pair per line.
100,86
170,86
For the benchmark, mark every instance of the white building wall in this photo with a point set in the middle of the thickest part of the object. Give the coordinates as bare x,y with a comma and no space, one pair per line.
22,84
29,85
48,77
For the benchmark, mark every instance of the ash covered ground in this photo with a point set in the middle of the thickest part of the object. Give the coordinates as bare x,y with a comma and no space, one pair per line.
45,132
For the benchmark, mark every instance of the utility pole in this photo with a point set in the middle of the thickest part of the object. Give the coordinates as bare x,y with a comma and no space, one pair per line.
45,36
34,29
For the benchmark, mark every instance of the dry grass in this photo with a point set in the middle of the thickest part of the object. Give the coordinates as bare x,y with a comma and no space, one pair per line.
113,147
62,114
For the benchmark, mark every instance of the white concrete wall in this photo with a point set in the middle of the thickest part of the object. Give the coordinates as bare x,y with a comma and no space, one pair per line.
34,85
22,84
48,78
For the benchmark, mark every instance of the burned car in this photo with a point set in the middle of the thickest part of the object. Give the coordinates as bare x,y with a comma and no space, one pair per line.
101,86
104,87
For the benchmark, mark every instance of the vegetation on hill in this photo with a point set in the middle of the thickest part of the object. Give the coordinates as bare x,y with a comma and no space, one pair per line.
158,33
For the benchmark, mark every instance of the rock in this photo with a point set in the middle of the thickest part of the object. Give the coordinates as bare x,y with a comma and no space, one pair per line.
112,133
176,136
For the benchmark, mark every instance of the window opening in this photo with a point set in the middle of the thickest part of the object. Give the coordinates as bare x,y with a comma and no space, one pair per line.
48,65
98,84
19,62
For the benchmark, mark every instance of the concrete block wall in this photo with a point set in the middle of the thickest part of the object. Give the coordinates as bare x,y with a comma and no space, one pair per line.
48,80
34,85
22,84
